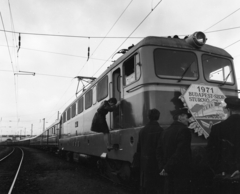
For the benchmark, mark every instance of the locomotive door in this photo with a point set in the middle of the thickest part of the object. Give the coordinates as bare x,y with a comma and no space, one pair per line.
116,93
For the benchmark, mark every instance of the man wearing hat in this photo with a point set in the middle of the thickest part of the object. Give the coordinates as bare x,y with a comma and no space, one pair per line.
224,146
174,154
145,157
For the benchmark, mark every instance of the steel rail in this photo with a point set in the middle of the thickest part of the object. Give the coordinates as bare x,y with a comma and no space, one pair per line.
15,178
7,155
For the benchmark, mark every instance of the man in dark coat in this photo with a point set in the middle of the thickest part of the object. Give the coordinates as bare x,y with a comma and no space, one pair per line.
224,149
174,155
146,154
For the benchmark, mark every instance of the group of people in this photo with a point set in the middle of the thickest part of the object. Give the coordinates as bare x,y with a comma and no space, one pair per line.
165,158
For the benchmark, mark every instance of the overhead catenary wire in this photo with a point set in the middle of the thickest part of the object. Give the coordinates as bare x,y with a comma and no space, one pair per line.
65,36
130,34
15,55
231,44
12,24
42,74
225,29
92,58
106,34
112,27
108,37
222,19
103,38
7,43
10,56
70,55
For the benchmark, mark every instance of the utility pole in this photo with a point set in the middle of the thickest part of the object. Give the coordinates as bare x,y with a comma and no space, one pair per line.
43,124
31,130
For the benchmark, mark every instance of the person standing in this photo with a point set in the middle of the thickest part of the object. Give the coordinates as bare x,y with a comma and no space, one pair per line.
145,156
174,155
99,123
223,149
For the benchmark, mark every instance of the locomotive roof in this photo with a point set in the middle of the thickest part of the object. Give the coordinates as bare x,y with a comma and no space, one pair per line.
177,43
168,43
165,42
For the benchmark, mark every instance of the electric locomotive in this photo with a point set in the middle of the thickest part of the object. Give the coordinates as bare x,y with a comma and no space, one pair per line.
155,73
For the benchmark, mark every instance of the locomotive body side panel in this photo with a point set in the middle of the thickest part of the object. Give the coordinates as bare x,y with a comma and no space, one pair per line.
152,86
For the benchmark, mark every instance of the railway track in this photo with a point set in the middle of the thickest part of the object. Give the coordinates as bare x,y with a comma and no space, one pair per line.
9,168
6,155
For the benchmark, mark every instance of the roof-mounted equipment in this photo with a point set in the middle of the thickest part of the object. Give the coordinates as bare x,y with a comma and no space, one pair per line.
197,39
123,51
82,79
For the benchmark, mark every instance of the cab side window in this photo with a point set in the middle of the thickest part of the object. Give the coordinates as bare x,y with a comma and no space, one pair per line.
69,113
132,71
80,105
64,117
102,89
88,99
74,110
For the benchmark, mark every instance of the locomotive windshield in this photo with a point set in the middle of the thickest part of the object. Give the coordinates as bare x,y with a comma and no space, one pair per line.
176,64
217,69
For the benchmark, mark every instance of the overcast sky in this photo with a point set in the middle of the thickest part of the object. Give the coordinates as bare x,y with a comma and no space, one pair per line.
56,60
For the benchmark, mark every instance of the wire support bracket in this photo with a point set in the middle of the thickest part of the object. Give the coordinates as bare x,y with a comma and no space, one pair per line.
25,73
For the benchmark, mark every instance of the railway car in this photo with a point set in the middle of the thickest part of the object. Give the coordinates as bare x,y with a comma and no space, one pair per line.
36,141
22,142
151,74
48,139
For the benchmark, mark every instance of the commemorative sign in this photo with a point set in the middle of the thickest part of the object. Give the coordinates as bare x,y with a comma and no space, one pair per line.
205,103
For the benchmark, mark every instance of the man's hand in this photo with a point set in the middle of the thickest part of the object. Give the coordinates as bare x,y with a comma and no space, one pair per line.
235,173
163,173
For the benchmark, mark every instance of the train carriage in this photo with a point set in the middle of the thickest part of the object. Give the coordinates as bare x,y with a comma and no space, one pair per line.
36,141
48,139
52,135
149,75
22,142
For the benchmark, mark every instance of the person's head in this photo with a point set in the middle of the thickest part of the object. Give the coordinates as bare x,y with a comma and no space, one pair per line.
112,101
153,114
233,105
182,116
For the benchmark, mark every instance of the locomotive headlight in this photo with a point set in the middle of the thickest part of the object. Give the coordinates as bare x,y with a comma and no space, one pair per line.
197,39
